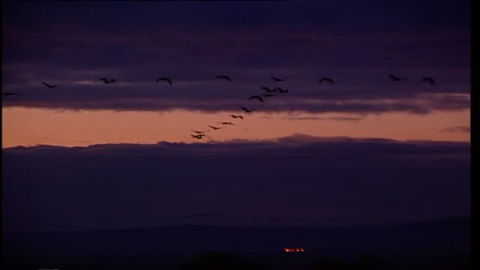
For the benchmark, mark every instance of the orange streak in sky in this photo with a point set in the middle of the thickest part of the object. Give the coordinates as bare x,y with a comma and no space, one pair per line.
28,127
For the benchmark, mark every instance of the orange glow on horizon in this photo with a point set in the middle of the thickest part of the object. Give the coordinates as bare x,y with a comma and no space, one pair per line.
28,127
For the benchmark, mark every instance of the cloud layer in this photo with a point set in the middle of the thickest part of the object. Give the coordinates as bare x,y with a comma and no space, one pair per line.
300,176
192,43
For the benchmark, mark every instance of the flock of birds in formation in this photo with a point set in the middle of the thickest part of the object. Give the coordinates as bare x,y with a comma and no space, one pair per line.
199,134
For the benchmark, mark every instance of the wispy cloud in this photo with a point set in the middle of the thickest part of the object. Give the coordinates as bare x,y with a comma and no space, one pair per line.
460,129
314,118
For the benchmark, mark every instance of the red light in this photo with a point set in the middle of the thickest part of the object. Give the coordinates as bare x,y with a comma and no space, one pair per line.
293,249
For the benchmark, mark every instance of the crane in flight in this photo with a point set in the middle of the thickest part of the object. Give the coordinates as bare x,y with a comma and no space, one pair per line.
236,116
428,79
326,80
214,128
50,86
267,89
277,79
246,110
256,97
199,136
396,79
164,79
105,80
224,77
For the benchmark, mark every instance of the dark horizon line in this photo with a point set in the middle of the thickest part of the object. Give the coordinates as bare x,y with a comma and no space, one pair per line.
81,229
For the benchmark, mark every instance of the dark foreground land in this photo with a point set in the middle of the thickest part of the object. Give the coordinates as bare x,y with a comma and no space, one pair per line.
440,244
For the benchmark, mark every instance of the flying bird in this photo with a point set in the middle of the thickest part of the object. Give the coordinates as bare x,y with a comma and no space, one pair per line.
9,94
267,89
227,123
277,89
105,80
49,85
236,116
256,97
198,136
278,79
326,80
246,110
214,128
428,79
164,79
396,79
224,77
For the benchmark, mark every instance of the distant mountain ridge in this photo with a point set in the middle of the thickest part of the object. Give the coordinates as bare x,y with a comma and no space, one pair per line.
446,235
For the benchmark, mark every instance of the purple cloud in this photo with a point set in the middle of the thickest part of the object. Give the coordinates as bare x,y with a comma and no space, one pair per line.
195,45
145,185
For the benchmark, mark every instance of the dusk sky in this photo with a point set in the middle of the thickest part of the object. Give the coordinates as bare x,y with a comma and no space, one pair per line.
362,148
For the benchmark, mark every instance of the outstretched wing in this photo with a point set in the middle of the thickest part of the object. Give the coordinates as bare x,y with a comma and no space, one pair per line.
164,79
245,109
428,79
326,80
224,77
266,89
256,97
49,85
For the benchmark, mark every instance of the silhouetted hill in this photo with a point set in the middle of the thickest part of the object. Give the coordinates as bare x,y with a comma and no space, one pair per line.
176,243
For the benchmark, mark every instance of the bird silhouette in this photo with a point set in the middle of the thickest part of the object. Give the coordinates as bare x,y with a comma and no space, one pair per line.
277,89
246,110
326,80
428,79
9,94
236,116
267,89
277,79
49,85
224,77
255,97
214,128
105,80
197,136
396,79
164,79
227,123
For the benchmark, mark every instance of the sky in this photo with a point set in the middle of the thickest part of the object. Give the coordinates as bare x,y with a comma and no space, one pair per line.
357,44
